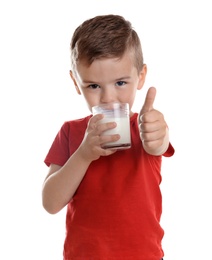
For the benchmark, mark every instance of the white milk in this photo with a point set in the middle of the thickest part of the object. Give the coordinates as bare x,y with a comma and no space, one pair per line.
119,113
122,128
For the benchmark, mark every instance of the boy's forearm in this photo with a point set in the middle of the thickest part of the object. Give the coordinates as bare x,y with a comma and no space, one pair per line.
60,186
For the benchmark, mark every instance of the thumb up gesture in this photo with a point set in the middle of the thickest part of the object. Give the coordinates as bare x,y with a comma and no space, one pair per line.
152,126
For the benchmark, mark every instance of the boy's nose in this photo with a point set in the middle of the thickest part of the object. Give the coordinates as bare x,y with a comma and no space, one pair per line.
107,96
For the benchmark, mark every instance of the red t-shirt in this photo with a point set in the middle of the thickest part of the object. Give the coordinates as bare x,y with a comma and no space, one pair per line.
115,212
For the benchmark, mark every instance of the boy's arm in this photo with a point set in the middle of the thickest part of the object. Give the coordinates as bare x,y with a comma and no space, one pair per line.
62,182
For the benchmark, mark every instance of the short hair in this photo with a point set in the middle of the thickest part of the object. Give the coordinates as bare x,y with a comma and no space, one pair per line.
105,36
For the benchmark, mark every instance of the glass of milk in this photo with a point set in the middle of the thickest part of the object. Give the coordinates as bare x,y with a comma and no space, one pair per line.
119,113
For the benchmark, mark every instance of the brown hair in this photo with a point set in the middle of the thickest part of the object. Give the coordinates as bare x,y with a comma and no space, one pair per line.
105,36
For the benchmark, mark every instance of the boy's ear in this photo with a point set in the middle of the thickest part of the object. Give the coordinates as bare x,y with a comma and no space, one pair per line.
142,77
75,82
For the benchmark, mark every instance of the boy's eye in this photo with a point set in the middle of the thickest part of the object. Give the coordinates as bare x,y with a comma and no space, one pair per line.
94,86
120,83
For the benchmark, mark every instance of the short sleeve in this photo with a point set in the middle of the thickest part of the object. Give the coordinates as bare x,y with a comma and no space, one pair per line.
170,151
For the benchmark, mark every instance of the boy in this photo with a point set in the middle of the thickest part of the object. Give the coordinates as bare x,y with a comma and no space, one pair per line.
113,197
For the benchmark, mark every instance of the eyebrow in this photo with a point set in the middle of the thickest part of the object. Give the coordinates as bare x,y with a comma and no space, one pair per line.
119,79
122,78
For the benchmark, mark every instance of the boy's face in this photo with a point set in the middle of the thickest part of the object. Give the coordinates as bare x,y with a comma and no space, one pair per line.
109,80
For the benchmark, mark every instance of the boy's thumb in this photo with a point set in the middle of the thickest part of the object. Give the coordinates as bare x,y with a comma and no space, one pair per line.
149,100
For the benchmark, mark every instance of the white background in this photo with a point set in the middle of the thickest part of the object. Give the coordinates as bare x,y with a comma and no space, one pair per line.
37,96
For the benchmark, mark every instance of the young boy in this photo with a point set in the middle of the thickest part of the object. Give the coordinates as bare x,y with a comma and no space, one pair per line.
113,197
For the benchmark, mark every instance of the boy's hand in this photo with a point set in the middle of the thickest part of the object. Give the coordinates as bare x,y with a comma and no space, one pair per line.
91,146
152,126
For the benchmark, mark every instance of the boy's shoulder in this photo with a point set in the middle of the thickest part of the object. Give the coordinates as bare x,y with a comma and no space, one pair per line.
79,123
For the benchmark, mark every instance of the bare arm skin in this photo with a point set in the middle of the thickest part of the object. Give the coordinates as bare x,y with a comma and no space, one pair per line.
62,182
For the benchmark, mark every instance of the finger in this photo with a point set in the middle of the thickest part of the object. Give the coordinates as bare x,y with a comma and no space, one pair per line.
94,121
149,101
